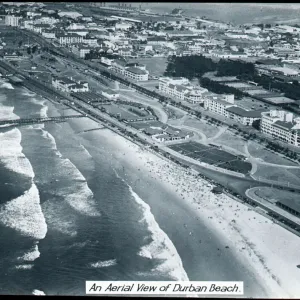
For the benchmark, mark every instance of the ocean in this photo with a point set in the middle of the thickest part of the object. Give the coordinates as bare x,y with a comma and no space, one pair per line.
237,13
71,210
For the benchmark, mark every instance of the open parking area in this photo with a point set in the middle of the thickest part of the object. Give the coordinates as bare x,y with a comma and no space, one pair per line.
213,156
148,124
127,112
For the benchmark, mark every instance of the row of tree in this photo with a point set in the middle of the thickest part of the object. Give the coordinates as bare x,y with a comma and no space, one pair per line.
218,88
189,66
196,65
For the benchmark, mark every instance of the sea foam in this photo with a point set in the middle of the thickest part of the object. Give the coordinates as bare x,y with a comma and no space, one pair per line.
31,255
57,219
38,293
43,103
103,264
11,153
24,267
7,112
78,195
24,214
161,247
81,199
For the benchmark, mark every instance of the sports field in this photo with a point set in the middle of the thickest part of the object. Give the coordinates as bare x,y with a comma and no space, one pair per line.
213,156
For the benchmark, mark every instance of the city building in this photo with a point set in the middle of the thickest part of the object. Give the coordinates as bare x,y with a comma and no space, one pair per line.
11,20
243,116
126,52
106,61
156,40
13,55
69,85
281,125
219,103
181,89
272,70
70,14
133,71
90,41
123,26
170,134
72,38
110,94
81,50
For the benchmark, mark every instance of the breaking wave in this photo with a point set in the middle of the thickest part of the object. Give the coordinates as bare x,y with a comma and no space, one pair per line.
31,255
103,264
38,293
161,247
11,153
7,112
24,214
24,267
78,195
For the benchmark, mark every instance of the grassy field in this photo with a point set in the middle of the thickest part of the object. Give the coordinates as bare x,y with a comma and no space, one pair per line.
231,140
259,151
173,113
208,130
155,65
277,174
213,156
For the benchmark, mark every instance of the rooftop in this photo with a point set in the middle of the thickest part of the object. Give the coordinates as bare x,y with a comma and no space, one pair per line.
136,71
245,113
284,125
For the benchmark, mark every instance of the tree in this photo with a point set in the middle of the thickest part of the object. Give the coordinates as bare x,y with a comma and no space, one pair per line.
34,48
29,51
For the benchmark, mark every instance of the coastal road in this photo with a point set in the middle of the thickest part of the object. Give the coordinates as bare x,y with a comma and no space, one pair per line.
252,193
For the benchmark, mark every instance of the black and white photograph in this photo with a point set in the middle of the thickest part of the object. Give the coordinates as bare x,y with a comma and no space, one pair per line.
150,149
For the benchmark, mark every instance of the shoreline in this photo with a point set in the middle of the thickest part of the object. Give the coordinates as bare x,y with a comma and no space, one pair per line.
174,176
238,234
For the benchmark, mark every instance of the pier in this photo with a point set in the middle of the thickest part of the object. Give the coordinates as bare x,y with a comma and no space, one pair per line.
30,121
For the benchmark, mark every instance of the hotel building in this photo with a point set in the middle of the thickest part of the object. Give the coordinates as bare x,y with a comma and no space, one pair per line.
133,71
181,89
281,125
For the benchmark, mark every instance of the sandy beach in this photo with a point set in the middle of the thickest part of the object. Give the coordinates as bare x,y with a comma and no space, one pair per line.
269,251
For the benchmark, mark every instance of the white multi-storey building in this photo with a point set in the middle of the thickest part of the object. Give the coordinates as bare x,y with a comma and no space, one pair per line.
224,105
181,89
91,41
133,71
219,103
69,39
11,20
195,47
281,125
81,50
